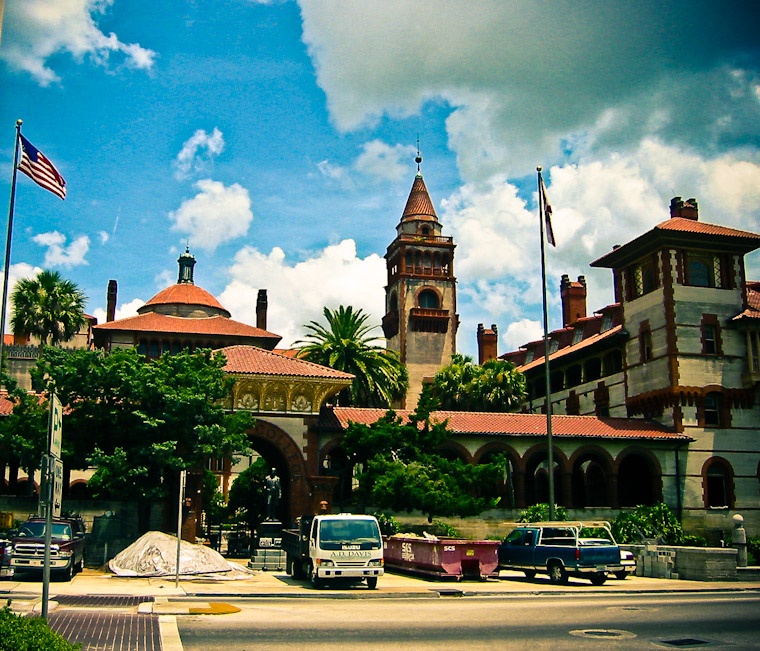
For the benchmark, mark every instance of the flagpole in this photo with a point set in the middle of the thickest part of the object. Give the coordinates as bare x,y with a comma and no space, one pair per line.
6,267
550,452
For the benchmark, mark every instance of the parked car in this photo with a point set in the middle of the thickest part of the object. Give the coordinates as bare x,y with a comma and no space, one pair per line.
66,546
6,571
628,563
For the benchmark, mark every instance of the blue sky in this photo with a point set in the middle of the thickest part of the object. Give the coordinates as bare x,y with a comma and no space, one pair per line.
277,140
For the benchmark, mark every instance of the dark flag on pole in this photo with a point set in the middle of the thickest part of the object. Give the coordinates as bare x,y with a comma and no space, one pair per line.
547,211
38,168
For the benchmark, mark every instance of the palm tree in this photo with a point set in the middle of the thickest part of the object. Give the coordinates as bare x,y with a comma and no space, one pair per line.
48,307
462,385
346,344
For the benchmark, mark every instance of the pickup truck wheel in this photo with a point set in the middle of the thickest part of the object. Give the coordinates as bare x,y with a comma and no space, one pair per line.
557,574
371,582
598,579
530,574
621,575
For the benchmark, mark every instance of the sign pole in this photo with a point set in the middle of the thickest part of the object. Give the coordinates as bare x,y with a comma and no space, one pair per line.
180,502
52,489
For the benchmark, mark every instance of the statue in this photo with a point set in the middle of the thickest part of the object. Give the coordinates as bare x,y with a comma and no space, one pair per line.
274,492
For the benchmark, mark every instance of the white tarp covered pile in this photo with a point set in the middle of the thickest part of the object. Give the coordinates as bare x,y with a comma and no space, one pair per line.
155,554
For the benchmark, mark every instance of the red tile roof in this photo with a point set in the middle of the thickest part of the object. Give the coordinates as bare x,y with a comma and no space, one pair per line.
253,360
184,294
684,225
562,352
419,205
213,325
530,425
753,303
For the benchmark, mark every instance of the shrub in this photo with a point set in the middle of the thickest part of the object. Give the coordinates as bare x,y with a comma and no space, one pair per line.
29,634
753,551
388,524
694,541
653,522
540,513
446,529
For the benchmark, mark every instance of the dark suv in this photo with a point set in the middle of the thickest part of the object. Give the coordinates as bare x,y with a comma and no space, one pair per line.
66,546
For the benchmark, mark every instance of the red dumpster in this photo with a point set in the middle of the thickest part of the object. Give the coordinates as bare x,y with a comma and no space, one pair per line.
443,557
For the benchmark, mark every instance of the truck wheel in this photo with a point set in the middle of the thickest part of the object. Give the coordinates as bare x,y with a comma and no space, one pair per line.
557,574
314,578
371,582
529,574
598,579
621,575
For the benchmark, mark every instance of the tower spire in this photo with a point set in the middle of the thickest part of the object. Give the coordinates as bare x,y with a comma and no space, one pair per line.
418,158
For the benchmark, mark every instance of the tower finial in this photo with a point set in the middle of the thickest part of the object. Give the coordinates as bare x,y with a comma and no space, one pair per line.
418,158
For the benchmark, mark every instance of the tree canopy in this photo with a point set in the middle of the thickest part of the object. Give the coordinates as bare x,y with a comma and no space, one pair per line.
402,468
139,422
48,307
24,432
346,344
495,386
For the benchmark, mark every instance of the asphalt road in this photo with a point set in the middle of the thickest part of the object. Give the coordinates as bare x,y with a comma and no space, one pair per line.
664,621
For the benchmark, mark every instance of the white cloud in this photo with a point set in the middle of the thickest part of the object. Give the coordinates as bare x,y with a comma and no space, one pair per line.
597,205
522,332
382,161
58,254
526,80
122,312
198,152
103,236
36,30
217,214
299,291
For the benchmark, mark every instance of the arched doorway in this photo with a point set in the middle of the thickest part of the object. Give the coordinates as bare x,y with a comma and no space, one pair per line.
537,479
591,480
639,481
505,490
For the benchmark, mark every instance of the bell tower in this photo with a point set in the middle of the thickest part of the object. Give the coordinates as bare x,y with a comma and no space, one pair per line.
420,322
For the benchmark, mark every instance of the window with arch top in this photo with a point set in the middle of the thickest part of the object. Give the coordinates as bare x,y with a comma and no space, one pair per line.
428,299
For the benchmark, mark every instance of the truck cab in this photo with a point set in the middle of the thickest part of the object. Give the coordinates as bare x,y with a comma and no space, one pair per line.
66,546
341,547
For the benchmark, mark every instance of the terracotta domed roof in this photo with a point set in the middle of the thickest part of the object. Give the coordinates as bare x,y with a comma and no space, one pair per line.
184,294
418,205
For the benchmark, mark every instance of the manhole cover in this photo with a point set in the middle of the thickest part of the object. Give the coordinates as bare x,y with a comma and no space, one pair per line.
603,634
684,641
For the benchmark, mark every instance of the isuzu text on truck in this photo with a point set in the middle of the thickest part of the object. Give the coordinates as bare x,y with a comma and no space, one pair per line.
341,547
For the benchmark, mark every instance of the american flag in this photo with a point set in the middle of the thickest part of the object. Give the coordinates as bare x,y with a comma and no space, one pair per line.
547,212
38,168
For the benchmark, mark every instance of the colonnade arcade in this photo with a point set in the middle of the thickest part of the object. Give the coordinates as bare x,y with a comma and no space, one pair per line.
585,478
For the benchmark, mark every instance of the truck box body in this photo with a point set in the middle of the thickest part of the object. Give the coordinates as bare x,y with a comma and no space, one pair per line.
335,547
559,550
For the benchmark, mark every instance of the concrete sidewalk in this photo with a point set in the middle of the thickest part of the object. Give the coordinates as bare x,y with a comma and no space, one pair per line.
162,592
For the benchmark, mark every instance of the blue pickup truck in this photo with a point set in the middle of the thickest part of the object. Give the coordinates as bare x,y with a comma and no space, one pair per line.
561,550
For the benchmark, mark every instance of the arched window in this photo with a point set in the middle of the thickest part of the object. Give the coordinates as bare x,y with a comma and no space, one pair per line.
428,299
717,481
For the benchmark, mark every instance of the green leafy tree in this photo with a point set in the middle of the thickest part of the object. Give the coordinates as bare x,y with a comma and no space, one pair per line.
48,307
495,385
139,423
648,522
248,493
346,344
24,432
540,513
402,470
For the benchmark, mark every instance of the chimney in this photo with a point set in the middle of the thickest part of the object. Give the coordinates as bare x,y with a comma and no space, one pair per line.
488,343
261,309
573,300
688,209
111,301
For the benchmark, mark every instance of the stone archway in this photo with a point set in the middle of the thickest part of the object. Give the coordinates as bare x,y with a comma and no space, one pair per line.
279,448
